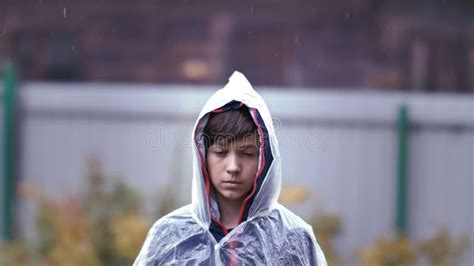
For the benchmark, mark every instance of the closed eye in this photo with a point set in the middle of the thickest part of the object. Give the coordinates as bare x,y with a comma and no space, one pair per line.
249,153
219,152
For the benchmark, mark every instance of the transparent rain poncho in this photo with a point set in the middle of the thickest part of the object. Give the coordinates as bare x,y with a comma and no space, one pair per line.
269,234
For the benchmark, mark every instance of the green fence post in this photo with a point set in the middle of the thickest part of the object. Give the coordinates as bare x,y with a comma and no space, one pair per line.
401,208
8,151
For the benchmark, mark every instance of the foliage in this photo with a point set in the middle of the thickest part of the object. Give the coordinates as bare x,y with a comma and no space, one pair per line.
327,227
15,253
442,249
107,203
102,227
389,252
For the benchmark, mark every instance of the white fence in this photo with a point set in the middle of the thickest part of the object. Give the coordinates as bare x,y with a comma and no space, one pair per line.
342,145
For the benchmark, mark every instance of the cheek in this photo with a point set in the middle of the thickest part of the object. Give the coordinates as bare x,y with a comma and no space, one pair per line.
255,166
214,166
210,166
251,171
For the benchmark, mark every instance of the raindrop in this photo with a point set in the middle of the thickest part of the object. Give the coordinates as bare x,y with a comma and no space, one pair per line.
73,48
276,54
296,39
314,10
40,1
347,15
64,12
251,9
250,32
4,30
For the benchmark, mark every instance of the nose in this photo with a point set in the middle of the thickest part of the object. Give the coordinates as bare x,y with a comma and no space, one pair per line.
233,164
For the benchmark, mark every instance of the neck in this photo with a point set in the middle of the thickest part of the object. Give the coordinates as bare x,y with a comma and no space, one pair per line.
230,211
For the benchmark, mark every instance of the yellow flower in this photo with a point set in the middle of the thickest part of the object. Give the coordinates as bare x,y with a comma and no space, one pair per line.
293,194
398,251
129,232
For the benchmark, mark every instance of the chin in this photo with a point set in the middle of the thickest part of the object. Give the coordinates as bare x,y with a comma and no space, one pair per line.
233,196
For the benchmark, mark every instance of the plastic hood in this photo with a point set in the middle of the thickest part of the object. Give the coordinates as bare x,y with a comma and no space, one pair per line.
238,89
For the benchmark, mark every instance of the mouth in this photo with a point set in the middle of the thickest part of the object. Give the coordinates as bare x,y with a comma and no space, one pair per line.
231,184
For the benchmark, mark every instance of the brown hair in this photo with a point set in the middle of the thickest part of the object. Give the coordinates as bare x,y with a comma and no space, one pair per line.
232,124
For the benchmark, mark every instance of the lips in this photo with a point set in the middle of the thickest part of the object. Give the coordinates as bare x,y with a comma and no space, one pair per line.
231,183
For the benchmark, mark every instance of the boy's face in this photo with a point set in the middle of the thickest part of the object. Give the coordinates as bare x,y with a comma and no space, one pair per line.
232,166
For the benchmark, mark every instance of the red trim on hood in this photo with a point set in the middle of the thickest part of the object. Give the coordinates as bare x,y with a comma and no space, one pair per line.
259,172
208,185
218,110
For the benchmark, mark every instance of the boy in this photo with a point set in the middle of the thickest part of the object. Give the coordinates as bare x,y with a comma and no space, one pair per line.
234,217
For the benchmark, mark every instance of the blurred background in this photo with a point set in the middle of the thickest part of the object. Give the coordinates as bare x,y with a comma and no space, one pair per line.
372,101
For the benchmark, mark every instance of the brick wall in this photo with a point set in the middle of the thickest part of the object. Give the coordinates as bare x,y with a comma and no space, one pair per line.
364,43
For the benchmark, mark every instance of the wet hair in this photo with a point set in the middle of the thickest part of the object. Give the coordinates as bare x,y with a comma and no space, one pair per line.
231,125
